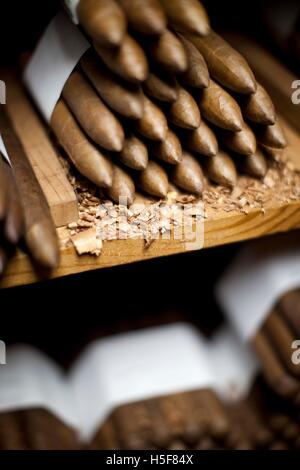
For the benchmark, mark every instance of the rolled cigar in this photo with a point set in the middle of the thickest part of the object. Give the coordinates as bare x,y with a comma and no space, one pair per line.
202,140
103,20
192,430
188,174
221,169
281,382
88,160
187,15
184,112
153,124
169,150
172,416
197,74
128,60
272,135
224,63
275,154
238,437
218,424
106,438
162,87
11,435
243,141
154,180
169,53
40,233
122,189
254,165
289,308
258,107
134,153
123,97
218,107
92,114
145,16
130,427
161,435
281,338
13,228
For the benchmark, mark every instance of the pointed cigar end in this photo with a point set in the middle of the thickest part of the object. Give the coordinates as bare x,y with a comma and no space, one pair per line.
43,246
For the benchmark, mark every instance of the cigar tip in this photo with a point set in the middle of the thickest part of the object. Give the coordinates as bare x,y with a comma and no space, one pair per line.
42,242
13,231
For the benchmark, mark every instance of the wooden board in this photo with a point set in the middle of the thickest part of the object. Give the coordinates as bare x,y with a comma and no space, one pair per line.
43,158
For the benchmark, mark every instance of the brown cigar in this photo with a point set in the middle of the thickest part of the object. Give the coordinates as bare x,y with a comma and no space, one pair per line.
188,174
289,307
272,136
122,189
169,150
40,233
146,17
123,97
202,140
243,141
88,160
162,87
103,20
218,107
161,434
275,154
192,430
134,153
131,426
187,15
128,61
184,112
92,114
172,416
197,74
254,165
153,123
106,438
224,63
221,169
154,180
11,434
13,228
258,107
169,53
218,423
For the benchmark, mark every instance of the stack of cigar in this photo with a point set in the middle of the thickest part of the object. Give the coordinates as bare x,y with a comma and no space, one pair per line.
161,97
274,345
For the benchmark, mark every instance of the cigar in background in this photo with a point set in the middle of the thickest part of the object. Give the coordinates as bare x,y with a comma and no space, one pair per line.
197,74
187,15
243,141
168,150
168,52
128,60
202,140
123,97
134,153
106,437
88,159
92,114
11,435
258,107
253,165
221,169
145,16
40,233
219,108
161,86
218,423
272,135
289,308
184,112
103,20
122,188
188,174
224,63
130,427
172,416
153,180
153,124
161,434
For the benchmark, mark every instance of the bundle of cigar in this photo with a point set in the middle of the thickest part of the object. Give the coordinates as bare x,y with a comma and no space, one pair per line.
273,344
166,102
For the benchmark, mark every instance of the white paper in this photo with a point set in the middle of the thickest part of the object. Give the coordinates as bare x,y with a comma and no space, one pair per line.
71,6
3,150
261,273
56,55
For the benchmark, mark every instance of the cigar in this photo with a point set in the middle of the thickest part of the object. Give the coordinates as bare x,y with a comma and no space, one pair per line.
254,165
103,20
184,112
92,114
275,154
13,226
11,435
187,15
289,308
153,124
173,417
154,180
134,153
259,108
192,430
128,60
40,233
281,338
146,17
122,189
221,169
219,108
272,135
224,63
202,140
106,438
238,437
88,159
243,141
218,423
161,435
197,74
131,427
168,150
169,53
123,97
188,174
162,87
